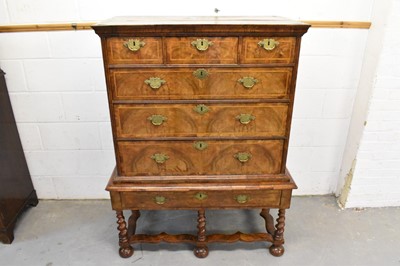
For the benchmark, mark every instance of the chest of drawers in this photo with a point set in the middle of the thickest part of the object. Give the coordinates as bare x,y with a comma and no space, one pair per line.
200,110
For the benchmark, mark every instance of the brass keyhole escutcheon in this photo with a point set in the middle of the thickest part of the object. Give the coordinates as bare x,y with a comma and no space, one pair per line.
160,200
242,198
160,158
268,44
245,119
134,45
242,156
201,196
200,145
248,82
202,44
200,73
157,120
201,109
155,82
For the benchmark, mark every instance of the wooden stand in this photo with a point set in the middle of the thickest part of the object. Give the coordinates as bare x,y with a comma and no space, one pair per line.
215,196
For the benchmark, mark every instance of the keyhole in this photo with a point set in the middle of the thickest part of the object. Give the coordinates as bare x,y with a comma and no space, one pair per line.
200,145
134,43
201,43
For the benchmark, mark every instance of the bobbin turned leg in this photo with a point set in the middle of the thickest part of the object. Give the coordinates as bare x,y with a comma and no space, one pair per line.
276,249
201,250
125,250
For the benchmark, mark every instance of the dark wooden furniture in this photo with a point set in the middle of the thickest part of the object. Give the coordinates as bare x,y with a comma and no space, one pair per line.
16,189
201,111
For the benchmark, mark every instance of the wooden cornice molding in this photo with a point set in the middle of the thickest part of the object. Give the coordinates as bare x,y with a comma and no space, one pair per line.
87,26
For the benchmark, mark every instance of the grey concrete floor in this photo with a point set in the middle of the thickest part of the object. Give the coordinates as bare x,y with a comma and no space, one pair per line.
317,233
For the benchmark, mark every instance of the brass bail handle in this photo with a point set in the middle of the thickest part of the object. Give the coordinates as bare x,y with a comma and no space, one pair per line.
248,82
242,198
268,44
134,45
160,158
160,200
202,44
245,119
155,82
242,156
157,120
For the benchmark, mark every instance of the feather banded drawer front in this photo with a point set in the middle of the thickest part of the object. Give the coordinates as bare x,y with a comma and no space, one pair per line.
200,111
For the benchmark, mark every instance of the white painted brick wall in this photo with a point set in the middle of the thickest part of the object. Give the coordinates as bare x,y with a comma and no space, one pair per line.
57,88
376,178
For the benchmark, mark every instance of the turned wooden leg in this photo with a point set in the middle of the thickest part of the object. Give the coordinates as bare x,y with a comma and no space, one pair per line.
276,248
125,250
201,250
132,222
269,221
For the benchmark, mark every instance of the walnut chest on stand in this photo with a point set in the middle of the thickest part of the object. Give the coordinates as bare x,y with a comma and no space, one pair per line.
201,110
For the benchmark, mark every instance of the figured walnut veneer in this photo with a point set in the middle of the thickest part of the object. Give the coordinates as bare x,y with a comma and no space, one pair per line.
201,113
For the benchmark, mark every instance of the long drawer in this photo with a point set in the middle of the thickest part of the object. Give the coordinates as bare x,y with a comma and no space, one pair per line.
213,157
200,198
212,120
200,83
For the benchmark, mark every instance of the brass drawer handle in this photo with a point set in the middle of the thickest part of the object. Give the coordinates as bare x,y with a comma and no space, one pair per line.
201,109
242,156
157,120
202,44
248,82
200,145
160,158
154,82
245,119
242,199
134,45
160,200
201,196
200,73
268,44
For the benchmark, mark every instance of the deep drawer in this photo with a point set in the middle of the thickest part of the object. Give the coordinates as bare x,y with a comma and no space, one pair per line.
216,83
212,157
188,120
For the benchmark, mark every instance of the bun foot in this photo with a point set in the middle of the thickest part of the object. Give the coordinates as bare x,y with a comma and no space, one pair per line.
126,252
276,251
201,252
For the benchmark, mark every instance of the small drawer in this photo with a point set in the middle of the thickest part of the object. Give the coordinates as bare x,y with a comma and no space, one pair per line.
200,83
196,50
241,157
212,120
134,50
201,199
265,50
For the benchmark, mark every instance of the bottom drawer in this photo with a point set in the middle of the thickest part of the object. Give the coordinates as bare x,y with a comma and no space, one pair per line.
213,157
201,199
